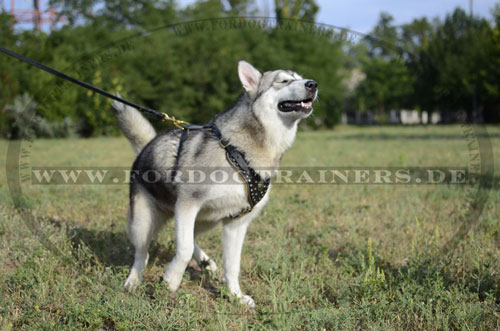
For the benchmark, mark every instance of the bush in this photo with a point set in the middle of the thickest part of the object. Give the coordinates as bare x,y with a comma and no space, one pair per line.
27,123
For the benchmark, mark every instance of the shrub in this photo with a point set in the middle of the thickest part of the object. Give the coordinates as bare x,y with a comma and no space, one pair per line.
26,122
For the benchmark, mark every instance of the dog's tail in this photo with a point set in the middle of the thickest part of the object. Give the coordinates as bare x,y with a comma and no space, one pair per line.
136,128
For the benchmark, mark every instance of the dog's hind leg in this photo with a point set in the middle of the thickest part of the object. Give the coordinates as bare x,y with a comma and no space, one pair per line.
185,217
203,260
144,222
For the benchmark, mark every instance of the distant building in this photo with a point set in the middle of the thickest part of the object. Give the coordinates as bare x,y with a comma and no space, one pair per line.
409,117
404,116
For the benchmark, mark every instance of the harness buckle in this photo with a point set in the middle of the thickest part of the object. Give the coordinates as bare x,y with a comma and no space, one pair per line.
241,212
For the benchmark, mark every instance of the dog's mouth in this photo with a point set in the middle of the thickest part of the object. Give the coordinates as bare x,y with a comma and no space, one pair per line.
298,106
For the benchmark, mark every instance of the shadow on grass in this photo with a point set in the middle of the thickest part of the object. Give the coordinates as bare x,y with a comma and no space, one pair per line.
114,248
109,248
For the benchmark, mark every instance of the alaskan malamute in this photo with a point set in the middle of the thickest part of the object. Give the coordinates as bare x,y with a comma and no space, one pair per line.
244,140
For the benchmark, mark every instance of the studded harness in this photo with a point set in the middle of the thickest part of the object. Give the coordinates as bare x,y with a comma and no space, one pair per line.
255,186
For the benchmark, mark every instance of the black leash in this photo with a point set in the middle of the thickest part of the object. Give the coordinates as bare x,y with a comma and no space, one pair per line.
146,110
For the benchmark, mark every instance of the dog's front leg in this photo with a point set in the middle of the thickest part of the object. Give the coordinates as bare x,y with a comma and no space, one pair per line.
233,235
185,216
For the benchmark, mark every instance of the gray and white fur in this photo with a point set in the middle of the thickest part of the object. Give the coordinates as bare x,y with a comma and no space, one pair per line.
262,125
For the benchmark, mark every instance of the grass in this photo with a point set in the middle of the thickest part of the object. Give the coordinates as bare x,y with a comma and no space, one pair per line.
318,257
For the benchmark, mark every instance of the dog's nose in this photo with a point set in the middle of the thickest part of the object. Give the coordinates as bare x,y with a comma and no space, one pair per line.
311,85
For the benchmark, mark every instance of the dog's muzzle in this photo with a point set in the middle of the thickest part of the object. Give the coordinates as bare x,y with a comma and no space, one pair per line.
305,105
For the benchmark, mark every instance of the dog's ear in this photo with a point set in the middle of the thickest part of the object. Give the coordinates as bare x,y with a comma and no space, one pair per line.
249,77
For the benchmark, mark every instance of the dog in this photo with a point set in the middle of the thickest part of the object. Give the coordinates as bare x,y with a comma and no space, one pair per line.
258,130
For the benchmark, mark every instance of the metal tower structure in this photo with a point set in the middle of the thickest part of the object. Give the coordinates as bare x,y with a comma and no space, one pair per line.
37,15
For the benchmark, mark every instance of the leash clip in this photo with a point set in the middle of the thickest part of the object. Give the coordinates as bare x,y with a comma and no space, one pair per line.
178,123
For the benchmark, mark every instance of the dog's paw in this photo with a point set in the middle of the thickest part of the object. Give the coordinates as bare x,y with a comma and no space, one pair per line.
131,282
208,265
211,266
247,301
173,280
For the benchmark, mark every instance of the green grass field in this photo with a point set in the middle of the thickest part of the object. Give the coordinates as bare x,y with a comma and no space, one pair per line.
318,257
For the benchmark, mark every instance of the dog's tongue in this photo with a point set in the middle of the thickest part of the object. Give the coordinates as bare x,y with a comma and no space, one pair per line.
306,104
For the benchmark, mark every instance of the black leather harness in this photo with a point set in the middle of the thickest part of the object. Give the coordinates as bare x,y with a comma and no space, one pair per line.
255,186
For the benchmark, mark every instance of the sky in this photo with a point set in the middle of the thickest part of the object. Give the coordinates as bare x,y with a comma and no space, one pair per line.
362,15
359,15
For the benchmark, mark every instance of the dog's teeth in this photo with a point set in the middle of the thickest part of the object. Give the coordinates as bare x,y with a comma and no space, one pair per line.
302,103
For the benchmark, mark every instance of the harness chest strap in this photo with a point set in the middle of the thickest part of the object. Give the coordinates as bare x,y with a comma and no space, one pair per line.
255,187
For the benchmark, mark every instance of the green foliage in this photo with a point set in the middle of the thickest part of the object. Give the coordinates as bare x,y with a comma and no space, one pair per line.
454,62
449,66
9,84
387,84
96,118
374,276
296,9
189,70
26,123
459,55
113,13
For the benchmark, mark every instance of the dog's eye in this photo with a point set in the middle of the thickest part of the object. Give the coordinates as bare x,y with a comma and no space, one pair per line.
285,81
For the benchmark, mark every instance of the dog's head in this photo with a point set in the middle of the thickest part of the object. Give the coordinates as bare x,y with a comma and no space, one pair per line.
282,91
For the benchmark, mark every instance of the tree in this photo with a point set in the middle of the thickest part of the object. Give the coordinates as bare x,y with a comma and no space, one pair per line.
388,83
383,39
416,38
36,15
75,10
455,67
240,7
117,13
296,9
9,85
492,82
